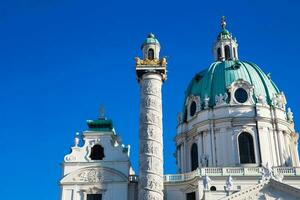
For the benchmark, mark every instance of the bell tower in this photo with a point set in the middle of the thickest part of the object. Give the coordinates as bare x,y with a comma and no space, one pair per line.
226,47
151,73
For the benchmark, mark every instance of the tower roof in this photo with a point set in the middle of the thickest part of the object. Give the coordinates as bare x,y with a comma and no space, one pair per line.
224,34
151,39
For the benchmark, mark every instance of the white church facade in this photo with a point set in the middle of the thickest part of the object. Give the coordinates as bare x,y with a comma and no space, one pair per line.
235,138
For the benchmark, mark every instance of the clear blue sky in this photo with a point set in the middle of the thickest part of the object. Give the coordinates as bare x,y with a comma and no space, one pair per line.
61,59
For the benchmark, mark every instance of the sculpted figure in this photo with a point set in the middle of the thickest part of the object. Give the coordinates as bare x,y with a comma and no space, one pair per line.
221,99
261,99
206,182
137,60
204,160
206,102
290,115
275,101
229,183
267,172
76,140
163,61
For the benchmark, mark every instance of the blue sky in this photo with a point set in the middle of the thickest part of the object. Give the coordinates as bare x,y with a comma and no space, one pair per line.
61,59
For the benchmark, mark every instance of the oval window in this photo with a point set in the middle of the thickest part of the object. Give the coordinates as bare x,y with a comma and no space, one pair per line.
193,109
241,95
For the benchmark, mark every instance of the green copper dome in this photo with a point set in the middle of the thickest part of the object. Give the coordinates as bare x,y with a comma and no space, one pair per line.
219,76
224,35
150,40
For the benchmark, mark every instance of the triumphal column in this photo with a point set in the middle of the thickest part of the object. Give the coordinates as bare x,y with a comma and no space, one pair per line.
151,73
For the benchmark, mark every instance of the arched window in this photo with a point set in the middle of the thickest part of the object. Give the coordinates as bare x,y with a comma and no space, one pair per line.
193,108
194,157
227,52
246,148
213,188
97,152
150,54
219,53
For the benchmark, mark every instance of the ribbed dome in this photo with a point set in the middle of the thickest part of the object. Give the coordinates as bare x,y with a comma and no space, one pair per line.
220,75
150,40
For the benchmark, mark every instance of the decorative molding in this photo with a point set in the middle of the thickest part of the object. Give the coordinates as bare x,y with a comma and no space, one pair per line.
92,175
246,86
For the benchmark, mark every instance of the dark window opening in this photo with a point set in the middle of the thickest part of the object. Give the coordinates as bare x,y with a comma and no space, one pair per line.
185,116
246,148
97,152
94,197
219,53
193,108
194,157
150,54
241,95
191,196
213,188
227,52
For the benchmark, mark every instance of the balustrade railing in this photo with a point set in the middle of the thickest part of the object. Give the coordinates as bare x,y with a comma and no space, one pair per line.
230,171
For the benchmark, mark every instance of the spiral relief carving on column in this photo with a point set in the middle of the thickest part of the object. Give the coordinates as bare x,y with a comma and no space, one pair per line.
151,144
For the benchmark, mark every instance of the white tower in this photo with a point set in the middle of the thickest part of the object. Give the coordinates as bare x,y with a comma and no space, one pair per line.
151,72
226,47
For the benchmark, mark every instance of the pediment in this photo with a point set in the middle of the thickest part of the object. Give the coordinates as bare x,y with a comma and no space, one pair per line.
269,190
92,175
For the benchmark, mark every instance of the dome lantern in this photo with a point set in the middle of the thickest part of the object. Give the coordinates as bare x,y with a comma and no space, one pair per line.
225,48
151,47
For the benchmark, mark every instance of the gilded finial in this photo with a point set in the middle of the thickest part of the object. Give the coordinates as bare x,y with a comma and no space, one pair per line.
223,22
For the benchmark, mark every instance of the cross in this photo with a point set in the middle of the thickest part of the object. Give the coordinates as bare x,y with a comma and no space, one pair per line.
223,22
102,111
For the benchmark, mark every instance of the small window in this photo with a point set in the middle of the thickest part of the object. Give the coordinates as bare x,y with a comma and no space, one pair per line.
185,115
191,196
246,148
150,54
194,157
213,188
219,53
193,108
241,95
94,197
227,52
97,152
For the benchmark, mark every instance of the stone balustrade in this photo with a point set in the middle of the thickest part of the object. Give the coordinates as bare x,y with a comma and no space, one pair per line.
232,171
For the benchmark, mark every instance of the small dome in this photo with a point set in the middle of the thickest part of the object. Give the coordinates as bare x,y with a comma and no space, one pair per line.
224,34
219,76
150,40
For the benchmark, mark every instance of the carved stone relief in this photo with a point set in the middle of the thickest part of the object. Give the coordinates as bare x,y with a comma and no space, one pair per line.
150,133
147,132
152,102
151,182
90,176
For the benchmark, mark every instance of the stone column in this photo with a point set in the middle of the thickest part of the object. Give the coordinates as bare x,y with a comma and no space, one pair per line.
150,138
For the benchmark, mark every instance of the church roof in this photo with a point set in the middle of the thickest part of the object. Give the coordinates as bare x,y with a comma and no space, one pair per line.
100,124
216,79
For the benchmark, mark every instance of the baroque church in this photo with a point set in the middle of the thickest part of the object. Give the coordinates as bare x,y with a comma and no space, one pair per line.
235,138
